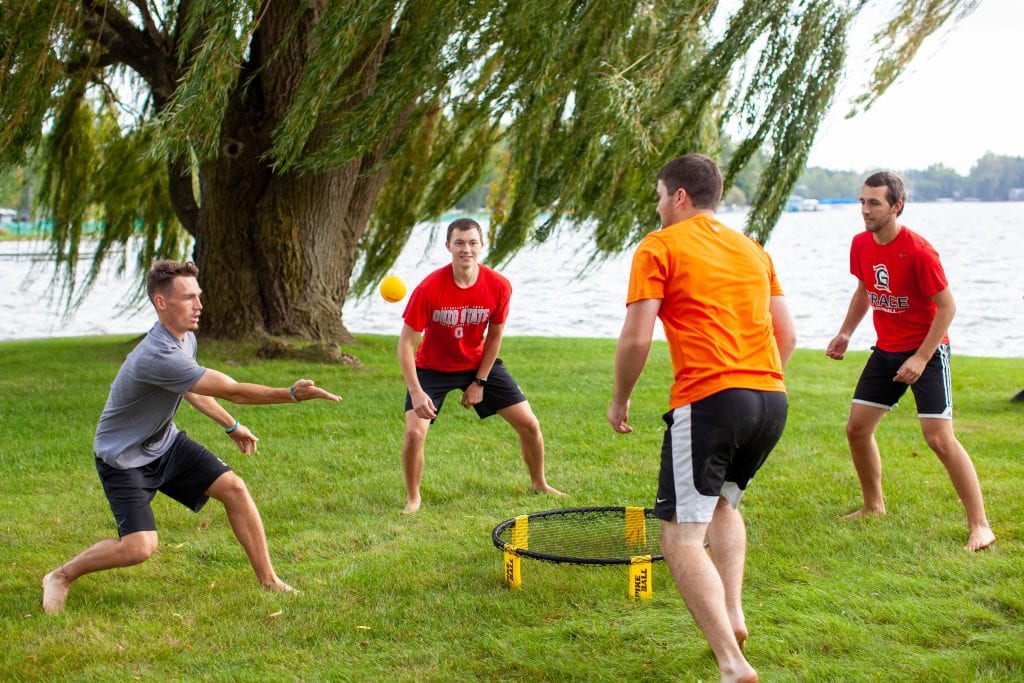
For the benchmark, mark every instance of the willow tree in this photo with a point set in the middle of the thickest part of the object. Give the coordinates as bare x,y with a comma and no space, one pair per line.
291,145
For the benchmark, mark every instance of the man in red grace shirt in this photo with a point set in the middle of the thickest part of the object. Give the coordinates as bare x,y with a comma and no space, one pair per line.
900,277
461,310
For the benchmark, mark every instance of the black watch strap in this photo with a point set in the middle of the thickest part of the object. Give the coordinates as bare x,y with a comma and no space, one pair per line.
481,382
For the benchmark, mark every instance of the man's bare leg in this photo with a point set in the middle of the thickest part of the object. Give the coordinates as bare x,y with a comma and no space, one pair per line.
531,444
938,433
110,553
701,586
727,537
245,521
412,459
860,433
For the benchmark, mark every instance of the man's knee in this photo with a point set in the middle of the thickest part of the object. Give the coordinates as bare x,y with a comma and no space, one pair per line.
524,421
139,546
859,430
228,487
416,431
531,427
942,442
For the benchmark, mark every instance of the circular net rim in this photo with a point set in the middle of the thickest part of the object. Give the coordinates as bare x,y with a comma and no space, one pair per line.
568,559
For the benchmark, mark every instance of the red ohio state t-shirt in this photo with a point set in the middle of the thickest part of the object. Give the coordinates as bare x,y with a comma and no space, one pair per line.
454,320
900,278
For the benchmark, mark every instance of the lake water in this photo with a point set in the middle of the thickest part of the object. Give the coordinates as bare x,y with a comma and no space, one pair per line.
981,245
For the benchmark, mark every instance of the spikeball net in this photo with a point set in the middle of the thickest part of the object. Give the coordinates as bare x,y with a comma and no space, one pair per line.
587,536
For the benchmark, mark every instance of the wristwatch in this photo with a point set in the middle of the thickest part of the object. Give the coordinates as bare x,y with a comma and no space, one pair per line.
481,382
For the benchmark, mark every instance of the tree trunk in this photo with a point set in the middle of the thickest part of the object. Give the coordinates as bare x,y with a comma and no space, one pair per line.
276,252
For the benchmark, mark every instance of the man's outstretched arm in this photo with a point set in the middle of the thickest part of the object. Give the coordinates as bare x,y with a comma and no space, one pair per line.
217,384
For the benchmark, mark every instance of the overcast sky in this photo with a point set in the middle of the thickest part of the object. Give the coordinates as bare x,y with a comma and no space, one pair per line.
961,97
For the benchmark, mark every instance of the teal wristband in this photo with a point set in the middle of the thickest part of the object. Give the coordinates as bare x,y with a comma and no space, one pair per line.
228,430
291,392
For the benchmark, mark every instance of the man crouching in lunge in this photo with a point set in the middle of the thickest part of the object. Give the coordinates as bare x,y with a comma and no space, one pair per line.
461,311
139,451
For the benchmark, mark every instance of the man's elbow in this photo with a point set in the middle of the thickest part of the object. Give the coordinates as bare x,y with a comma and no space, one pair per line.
790,341
786,341
232,392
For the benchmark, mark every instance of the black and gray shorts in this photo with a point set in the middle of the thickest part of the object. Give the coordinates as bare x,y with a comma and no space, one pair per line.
183,473
713,447
933,391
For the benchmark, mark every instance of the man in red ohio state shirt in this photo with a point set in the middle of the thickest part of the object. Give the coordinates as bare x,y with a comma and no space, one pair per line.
461,311
899,276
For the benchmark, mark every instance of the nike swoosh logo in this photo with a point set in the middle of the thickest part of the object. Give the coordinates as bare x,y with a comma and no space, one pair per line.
660,500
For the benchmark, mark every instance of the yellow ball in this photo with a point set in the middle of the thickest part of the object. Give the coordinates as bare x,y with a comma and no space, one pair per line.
392,289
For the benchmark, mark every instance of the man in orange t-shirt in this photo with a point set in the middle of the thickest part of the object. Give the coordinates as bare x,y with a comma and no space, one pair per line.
730,334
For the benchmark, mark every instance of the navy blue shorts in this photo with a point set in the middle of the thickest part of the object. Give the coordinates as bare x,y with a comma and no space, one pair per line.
933,391
501,390
184,473
713,447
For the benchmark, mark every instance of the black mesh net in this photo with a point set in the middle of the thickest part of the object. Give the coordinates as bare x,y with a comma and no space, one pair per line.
605,535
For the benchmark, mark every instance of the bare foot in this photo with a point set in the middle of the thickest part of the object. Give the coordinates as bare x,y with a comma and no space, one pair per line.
55,590
550,490
980,538
864,512
411,506
740,631
739,627
280,586
744,674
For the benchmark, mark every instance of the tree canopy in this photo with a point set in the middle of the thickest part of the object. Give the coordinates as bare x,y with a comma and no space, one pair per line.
292,145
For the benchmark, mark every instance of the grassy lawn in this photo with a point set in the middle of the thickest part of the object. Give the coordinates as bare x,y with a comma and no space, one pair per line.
421,598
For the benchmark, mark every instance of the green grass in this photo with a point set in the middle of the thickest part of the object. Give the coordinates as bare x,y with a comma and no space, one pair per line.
421,598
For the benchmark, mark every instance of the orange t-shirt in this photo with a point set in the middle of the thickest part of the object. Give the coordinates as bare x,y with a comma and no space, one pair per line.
715,286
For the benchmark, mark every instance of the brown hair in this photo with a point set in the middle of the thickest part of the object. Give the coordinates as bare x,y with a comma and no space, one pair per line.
895,189
698,175
162,273
463,224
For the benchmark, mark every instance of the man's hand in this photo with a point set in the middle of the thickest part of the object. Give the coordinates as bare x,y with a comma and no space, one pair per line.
618,416
473,394
837,347
244,439
306,390
911,370
423,406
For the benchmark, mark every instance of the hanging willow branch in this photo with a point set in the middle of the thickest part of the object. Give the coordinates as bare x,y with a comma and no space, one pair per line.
424,99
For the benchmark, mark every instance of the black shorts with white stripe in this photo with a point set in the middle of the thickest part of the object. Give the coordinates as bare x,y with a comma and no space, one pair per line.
713,447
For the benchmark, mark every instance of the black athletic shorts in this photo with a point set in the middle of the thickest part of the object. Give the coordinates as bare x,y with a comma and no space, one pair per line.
713,447
501,390
933,391
183,473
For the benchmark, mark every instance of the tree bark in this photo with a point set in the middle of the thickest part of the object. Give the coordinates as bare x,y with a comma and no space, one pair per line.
277,251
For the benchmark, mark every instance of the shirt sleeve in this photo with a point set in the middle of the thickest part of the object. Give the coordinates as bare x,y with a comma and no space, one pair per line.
417,311
855,260
172,369
502,301
930,274
773,279
648,274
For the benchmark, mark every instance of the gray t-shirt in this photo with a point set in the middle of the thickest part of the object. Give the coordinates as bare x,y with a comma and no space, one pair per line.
137,425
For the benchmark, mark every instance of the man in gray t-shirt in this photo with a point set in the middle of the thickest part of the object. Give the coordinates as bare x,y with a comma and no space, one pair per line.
140,452
137,426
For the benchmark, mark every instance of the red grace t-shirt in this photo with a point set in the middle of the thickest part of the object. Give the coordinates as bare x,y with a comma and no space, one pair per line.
900,278
454,320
